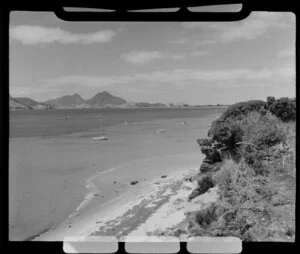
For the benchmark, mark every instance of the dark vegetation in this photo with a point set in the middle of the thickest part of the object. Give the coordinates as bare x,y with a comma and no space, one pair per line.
134,182
250,156
204,184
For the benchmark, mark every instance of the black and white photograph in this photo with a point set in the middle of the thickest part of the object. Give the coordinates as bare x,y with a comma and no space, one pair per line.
152,129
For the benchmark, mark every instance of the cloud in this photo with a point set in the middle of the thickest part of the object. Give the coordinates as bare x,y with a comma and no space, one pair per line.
33,35
161,81
198,53
247,30
173,76
252,27
178,56
181,40
142,57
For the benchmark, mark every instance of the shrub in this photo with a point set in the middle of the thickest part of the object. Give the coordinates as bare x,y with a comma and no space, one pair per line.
258,140
241,109
226,175
206,216
284,108
205,183
226,132
212,155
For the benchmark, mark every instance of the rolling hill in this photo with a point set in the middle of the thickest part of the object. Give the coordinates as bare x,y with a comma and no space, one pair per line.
66,101
105,99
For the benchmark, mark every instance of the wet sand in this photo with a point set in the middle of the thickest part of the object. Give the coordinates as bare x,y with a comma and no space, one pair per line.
64,182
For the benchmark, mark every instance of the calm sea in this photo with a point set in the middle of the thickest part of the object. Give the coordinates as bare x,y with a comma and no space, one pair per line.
51,123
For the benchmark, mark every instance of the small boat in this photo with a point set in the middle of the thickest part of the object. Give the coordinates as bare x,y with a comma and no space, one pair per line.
125,123
184,123
161,131
102,137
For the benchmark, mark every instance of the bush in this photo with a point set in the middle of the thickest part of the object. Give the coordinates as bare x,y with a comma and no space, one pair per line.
258,141
205,183
226,175
212,155
226,132
284,108
206,216
241,109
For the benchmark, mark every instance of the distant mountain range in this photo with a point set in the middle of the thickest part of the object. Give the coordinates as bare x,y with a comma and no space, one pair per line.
100,100
66,101
26,103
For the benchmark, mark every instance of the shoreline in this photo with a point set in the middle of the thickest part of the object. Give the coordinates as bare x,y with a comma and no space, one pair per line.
84,226
77,159
204,106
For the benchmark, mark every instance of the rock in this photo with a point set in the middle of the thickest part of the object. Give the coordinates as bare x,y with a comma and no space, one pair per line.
204,142
134,182
217,166
226,155
208,161
202,201
217,145
195,193
207,150
212,155
205,167
115,182
188,178
204,182
215,156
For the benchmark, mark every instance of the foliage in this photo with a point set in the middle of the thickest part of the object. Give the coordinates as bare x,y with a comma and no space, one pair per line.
284,108
257,190
265,133
206,216
227,132
204,183
258,141
241,109
251,207
229,128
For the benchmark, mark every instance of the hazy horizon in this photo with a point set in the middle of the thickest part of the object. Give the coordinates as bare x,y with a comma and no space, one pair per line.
167,62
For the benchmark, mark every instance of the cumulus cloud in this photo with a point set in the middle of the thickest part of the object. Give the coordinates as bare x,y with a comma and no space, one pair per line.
161,81
198,53
173,76
252,27
142,57
181,40
33,35
178,56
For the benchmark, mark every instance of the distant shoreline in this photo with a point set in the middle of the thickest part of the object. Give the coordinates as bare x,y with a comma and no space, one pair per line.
204,106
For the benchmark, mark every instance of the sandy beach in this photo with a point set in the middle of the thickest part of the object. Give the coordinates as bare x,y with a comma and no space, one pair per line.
156,208
65,185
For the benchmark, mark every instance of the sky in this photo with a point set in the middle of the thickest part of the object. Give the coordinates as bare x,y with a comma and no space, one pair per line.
168,62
